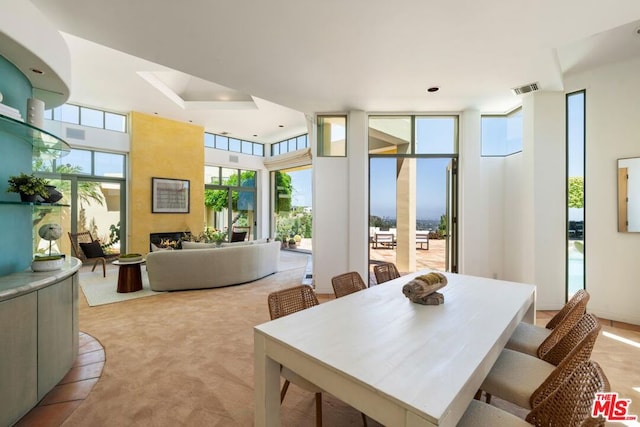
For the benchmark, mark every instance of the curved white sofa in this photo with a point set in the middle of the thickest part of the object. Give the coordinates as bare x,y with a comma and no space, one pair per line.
231,264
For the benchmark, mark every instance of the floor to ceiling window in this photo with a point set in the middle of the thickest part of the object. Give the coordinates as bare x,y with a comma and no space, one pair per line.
230,200
92,185
412,191
575,192
293,210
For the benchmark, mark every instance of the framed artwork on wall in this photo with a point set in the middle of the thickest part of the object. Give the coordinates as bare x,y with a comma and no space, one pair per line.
169,195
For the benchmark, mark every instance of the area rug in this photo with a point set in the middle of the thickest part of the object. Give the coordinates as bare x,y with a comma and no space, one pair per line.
100,290
290,260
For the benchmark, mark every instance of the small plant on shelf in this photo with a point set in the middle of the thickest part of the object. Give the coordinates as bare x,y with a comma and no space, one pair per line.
28,186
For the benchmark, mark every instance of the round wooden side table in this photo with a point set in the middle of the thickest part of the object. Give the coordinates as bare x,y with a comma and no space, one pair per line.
129,276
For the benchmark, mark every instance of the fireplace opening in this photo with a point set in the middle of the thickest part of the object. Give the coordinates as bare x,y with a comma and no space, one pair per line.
168,240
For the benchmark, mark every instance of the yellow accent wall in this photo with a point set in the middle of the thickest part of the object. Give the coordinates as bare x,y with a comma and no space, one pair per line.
163,148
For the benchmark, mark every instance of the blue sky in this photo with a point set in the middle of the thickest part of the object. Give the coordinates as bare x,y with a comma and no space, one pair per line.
301,182
431,177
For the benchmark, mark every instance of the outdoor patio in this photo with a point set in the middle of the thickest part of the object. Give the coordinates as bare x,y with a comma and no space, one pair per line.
432,258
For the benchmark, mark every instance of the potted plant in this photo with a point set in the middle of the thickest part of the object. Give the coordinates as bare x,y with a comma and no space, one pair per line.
28,186
218,236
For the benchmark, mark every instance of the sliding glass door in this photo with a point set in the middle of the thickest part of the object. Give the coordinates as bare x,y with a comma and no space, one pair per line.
230,200
410,223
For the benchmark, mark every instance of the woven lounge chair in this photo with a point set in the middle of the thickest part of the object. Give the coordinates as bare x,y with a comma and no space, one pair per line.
78,240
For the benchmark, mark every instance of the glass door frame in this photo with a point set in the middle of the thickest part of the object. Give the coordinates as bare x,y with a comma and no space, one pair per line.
239,189
73,203
451,235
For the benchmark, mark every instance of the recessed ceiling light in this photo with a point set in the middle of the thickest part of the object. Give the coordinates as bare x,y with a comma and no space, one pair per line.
433,89
255,134
36,71
280,126
224,133
637,31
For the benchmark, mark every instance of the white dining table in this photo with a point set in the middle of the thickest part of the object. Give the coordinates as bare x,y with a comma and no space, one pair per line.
400,363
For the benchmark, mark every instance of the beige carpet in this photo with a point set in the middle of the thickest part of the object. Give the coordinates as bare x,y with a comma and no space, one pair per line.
186,359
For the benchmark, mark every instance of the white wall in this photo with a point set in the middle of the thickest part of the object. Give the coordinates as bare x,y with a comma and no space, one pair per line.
94,138
480,204
517,230
512,208
330,220
340,208
549,198
633,192
612,132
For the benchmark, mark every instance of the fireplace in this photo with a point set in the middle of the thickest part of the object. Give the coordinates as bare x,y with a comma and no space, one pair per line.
171,239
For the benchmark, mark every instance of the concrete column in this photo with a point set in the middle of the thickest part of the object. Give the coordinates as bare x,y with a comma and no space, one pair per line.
406,215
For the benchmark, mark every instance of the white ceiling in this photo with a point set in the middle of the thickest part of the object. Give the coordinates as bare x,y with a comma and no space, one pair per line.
252,68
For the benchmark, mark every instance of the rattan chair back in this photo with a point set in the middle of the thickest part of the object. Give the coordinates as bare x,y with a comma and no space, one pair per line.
580,298
347,283
570,404
577,307
385,272
587,331
291,300
579,332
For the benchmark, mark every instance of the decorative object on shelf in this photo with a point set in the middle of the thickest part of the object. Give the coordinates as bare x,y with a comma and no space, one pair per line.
53,195
125,258
35,112
50,232
50,262
422,289
28,186
47,263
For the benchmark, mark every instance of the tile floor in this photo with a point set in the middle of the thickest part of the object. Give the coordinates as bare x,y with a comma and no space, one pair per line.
64,398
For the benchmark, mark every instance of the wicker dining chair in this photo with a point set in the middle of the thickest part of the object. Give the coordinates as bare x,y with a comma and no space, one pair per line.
538,340
385,272
285,302
85,237
347,283
526,380
282,303
568,405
